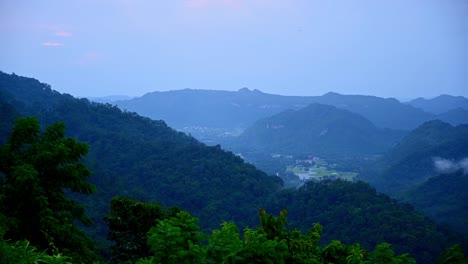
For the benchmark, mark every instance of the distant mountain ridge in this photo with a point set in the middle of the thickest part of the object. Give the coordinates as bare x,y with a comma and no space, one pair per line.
110,98
240,109
440,104
456,116
320,130
212,108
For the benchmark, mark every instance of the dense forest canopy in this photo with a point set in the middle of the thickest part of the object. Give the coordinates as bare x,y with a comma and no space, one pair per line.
413,160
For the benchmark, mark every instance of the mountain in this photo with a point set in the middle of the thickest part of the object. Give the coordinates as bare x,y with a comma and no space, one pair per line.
239,110
440,104
455,116
443,198
133,156
209,108
319,130
384,113
414,160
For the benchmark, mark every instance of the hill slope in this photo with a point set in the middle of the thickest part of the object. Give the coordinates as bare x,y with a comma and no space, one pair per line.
443,198
135,156
354,212
319,130
455,116
412,161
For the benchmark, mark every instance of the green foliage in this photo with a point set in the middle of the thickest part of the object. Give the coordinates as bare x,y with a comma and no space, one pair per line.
411,162
259,249
177,240
37,168
355,212
273,226
443,198
223,244
384,254
21,252
129,221
453,255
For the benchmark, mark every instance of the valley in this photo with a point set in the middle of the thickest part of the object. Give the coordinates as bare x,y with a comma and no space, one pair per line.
234,132
320,172
267,165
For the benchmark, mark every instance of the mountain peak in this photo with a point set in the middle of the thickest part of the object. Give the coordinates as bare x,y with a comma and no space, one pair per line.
244,90
329,94
247,90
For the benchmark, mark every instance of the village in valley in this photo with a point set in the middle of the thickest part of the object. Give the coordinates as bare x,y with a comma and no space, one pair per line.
316,168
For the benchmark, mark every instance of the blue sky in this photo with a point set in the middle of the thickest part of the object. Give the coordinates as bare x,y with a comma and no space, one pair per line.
388,48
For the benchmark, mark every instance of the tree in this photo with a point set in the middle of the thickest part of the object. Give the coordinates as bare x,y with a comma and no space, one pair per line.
177,240
36,170
223,244
129,222
453,255
384,254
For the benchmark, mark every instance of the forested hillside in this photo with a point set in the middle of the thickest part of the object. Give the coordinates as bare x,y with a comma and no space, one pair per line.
428,170
136,157
413,160
319,130
443,198
355,212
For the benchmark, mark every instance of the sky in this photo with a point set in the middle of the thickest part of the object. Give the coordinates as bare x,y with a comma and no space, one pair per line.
387,48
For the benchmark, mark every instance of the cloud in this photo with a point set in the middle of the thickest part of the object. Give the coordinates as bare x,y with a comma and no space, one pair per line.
447,166
62,33
52,44
464,164
56,30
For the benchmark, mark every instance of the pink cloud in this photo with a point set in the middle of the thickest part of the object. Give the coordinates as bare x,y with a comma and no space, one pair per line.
56,30
62,33
52,44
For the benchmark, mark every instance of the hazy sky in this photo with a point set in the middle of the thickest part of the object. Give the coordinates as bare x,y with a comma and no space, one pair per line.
390,48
